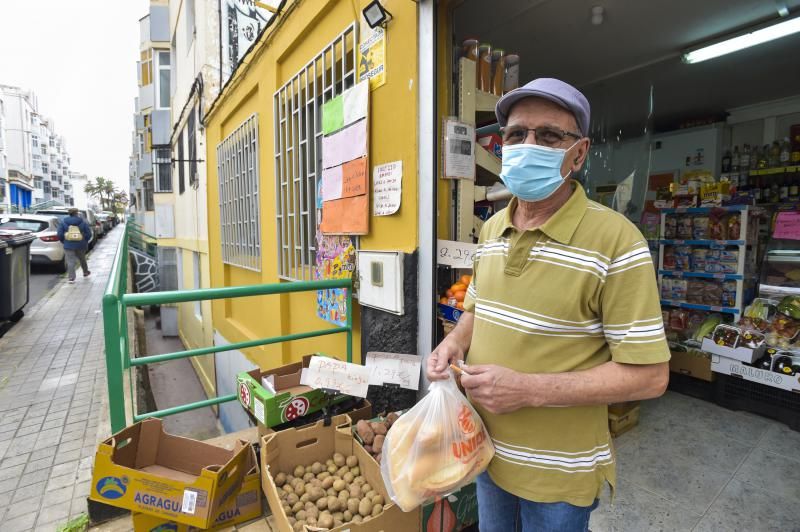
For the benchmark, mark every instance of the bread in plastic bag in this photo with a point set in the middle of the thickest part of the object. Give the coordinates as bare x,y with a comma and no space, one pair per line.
435,448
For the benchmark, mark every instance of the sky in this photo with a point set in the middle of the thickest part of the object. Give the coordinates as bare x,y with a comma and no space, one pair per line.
79,57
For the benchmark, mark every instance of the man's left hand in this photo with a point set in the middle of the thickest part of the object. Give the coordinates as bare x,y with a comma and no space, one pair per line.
497,389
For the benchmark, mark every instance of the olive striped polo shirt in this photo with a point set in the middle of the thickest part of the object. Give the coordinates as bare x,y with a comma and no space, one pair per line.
570,295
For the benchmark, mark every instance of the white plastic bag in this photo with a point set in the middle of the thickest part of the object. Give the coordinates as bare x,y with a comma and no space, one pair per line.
435,448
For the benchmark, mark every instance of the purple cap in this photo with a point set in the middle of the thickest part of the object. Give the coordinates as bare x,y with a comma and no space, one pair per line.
552,89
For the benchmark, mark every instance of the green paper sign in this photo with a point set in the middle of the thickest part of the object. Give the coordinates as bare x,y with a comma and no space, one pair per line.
333,115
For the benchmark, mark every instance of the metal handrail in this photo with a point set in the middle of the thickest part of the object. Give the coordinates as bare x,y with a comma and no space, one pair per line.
116,303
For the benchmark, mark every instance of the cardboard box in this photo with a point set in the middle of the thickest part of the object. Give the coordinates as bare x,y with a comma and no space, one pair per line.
729,366
243,506
693,363
283,451
291,400
619,425
451,314
144,469
362,412
452,513
743,354
620,409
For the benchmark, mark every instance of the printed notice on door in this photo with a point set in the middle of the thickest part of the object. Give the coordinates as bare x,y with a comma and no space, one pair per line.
387,188
459,150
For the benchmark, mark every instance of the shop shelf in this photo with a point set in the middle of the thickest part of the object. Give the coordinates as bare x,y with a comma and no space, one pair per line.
778,170
693,306
488,166
702,275
485,101
703,210
676,242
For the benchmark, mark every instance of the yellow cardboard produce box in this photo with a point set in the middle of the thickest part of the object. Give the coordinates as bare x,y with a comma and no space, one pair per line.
284,450
243,506
144,469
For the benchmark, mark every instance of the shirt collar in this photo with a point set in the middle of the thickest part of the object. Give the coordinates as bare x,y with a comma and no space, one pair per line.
562,225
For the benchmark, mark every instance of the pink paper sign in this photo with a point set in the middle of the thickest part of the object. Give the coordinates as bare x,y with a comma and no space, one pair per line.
787,225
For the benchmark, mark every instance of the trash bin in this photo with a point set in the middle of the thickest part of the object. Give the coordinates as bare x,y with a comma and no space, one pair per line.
15,272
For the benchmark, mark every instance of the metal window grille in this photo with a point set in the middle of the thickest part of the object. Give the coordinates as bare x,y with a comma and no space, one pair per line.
297,116
162,163
237,170
181,182
192,150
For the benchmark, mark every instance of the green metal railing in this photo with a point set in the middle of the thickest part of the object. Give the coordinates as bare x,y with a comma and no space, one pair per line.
144,242
115,322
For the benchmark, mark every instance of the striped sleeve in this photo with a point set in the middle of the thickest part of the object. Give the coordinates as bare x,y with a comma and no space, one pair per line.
631,310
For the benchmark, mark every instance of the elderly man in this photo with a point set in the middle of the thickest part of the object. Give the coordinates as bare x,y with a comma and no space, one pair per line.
562,318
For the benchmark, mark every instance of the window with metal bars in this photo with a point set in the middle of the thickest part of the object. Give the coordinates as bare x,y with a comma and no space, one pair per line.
297,117
162,163
237,173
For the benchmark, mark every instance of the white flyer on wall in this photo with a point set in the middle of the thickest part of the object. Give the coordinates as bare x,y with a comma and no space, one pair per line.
459,150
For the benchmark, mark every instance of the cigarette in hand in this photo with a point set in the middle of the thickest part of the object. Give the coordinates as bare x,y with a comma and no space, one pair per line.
458,370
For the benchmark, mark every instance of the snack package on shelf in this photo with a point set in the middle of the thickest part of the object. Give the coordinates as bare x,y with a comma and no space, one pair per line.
700,227
734,226
666,288
717,230
679,287
669,257
670,227
685,227
435,448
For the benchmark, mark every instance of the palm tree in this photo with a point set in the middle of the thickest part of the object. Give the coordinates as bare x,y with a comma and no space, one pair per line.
97,189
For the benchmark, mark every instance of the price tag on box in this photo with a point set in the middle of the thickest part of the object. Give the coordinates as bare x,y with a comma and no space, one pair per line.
456,254
331,374
394,368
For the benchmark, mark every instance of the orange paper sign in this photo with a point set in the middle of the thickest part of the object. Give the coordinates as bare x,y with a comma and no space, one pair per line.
354,178
346,216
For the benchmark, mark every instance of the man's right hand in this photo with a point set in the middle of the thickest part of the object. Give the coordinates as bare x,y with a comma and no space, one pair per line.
438,363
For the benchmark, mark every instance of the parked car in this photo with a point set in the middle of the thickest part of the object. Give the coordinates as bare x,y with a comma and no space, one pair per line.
112,217
46,249
63,212
105,219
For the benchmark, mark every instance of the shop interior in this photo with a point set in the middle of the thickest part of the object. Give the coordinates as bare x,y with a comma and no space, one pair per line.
705,158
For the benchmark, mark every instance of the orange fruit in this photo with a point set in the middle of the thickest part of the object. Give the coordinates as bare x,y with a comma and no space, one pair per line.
466,279
460,305
458,287
460,295
449,293
443,301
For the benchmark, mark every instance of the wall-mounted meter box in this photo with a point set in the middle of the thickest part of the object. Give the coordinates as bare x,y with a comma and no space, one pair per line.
380,280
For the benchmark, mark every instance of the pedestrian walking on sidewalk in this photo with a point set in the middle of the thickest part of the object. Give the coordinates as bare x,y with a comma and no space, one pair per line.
74,233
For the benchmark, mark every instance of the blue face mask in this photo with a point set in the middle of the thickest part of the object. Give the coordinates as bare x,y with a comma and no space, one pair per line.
532,172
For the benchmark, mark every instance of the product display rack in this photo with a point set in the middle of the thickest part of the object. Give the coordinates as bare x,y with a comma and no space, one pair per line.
473,105
738,277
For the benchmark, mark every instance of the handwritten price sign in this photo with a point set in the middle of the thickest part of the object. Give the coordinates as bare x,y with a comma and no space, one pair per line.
456,254
332,374
394,368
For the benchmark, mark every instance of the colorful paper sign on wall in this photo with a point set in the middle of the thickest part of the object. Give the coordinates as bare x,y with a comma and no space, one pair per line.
387,188
372,55
345,145
349,107
787,225
346,216
336,259
345,199
345,181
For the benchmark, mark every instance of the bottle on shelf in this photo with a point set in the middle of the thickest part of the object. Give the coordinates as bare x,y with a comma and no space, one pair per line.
774,155
726,162
763,157
786,152
470,50
783,190
794,189
735,159
485,67
498,71
744,160
511,79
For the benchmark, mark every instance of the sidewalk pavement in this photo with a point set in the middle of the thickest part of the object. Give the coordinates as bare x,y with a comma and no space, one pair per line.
53,401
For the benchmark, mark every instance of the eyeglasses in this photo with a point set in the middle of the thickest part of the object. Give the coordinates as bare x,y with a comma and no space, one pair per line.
543,136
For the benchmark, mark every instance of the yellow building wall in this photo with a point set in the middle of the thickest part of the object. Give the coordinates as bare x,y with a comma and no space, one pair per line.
194,332
305,29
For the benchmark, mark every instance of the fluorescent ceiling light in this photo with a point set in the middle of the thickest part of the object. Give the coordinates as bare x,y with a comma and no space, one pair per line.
734,44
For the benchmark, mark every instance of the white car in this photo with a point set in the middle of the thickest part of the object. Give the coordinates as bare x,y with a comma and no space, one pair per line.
46,249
